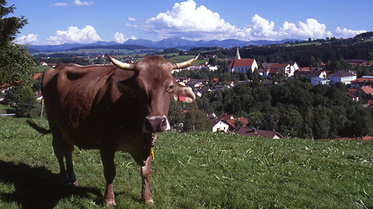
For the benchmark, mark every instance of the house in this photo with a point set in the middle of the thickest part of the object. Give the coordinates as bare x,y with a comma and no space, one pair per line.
342,76
361,82
311,73
352,96
219,126
37,75
232,122
264,72
367,91
257,132
370,103
357,62
281,68
239,65
318,80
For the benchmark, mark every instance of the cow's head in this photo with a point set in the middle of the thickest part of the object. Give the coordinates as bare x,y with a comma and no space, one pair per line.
154,79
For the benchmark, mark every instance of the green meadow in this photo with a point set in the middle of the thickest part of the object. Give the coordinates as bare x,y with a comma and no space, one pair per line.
192,170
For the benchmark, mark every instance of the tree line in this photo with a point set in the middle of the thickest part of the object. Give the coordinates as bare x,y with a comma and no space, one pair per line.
295,108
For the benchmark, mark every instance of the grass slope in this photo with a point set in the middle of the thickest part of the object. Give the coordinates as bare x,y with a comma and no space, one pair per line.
192,170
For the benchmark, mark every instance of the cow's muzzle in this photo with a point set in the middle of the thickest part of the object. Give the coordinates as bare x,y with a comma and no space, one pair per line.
156,124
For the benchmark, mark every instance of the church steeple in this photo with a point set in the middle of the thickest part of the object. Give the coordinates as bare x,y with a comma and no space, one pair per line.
238,56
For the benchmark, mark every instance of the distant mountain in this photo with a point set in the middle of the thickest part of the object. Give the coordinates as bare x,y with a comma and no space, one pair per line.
64,47
188,44
144,43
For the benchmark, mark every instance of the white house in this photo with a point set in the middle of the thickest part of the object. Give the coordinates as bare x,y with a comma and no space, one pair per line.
342,76
219,126
285,68
239,65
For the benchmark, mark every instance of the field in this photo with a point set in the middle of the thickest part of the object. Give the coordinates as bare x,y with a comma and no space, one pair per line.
192,170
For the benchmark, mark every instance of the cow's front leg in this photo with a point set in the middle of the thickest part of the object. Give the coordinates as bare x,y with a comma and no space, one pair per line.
109,172
146,171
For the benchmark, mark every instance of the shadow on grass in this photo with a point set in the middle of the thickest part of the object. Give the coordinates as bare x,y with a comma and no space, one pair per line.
39,187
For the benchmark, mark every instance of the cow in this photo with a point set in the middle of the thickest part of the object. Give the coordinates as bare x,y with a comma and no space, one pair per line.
116,107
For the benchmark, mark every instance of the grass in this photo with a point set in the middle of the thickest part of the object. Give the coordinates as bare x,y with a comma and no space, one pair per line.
192,170
178,59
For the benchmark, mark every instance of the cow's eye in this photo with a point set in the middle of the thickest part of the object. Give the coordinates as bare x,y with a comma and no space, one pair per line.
170,88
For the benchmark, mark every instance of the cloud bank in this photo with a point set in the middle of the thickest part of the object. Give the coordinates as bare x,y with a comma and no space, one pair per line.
189,21
74,35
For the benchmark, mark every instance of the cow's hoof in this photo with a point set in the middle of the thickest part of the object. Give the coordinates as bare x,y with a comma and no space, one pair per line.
75,183
149,202
109,203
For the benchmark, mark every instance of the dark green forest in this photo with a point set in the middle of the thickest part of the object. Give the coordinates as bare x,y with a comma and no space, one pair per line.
301,110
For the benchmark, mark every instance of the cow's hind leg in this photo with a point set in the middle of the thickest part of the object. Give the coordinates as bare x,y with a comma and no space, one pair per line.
69,164
59,151
62,152
109,173
146,171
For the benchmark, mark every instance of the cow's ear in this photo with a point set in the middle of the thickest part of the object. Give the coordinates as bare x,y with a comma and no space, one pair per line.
184,94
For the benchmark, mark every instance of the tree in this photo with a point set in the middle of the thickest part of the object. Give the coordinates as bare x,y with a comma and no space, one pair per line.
26,102
16,64
291,123
196,120
9,26
175,114
212,61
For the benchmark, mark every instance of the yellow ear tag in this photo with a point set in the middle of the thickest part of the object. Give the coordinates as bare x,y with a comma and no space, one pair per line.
152,153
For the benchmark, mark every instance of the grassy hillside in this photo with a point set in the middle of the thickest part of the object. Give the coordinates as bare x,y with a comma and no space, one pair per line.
192,170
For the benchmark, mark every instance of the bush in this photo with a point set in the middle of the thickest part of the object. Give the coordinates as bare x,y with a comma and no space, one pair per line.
26,103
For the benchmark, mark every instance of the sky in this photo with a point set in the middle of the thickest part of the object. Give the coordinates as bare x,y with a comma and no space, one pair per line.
55,22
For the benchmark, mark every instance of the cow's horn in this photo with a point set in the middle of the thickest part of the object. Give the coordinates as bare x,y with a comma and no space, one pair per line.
185,64
122,65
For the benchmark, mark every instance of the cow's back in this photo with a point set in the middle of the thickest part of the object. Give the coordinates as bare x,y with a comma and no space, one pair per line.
70,92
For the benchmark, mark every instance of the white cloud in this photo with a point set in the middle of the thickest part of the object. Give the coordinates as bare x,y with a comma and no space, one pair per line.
260,28
119,38
79,3
129,25
132,19
75,35
310,29
60,5
75,3
186,19
29,39
347,33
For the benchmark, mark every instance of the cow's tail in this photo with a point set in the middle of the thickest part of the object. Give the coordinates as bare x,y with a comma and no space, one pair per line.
41,130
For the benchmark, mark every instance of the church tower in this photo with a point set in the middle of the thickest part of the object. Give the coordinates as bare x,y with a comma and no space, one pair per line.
238,56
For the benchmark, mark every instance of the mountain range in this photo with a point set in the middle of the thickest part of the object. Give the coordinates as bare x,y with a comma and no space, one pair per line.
179,43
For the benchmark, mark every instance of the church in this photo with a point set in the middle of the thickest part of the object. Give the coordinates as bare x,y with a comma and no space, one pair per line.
239,65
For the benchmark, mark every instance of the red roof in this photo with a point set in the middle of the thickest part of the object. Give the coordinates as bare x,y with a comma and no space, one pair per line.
37,75
279,65
362,80
258,132
242,62
352,90
232,122
367,90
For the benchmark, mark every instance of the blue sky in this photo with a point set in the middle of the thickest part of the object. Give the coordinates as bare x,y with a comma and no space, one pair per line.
86,21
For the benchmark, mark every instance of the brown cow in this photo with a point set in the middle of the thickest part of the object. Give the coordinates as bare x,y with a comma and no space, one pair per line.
111,108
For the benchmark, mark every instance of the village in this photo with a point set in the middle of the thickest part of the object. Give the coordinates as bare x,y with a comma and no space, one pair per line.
358,88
